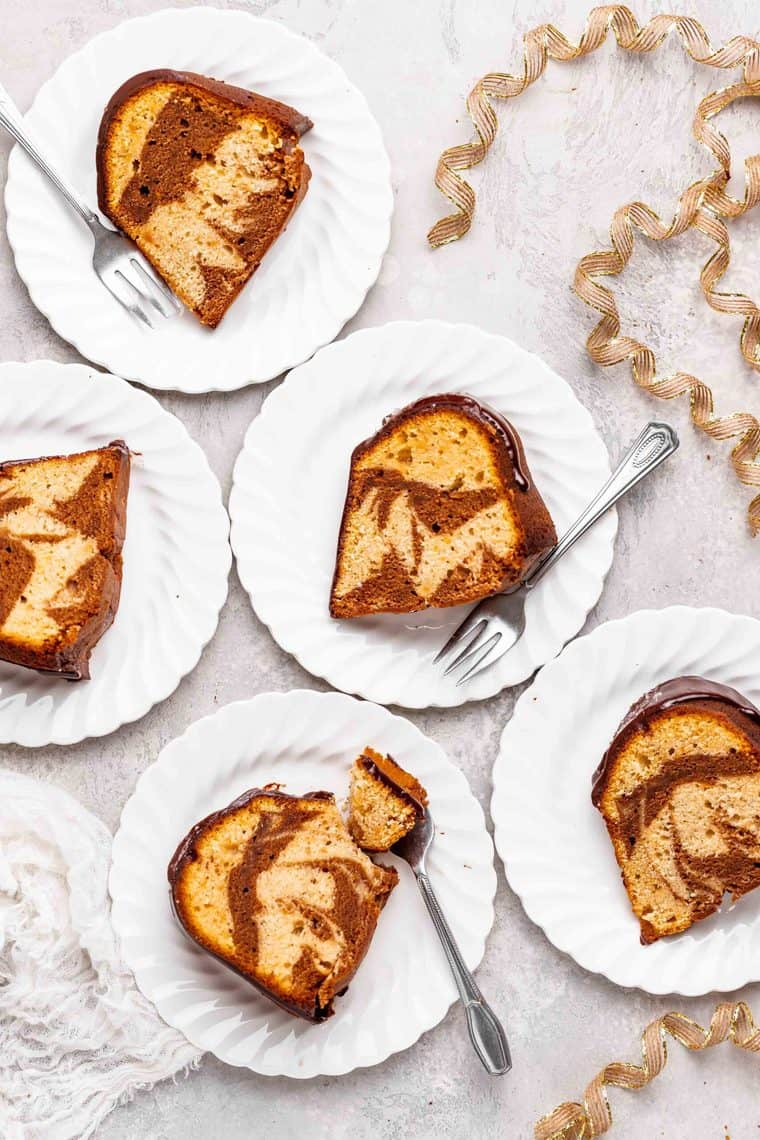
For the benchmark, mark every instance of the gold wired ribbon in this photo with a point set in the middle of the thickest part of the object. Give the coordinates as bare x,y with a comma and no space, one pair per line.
705,205
731,1021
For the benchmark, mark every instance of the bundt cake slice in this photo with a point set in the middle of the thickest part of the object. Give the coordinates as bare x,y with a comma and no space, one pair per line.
384,801
679,790
203,177
440,510
62,526
275,887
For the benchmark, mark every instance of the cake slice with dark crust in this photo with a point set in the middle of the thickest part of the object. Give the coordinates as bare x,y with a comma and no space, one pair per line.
62,527
384,801
275,887
203,177
440,510
679,790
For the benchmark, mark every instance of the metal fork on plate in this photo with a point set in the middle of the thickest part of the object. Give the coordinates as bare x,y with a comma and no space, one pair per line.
116,260
486,1031
497,623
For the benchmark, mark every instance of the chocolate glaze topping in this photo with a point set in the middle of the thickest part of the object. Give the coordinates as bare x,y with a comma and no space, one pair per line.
677,691
381,773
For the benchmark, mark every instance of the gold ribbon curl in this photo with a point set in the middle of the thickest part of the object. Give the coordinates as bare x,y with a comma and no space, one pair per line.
703,206
731,1021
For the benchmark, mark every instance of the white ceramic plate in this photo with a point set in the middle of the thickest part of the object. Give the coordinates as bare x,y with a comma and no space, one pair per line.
305,741
290,484
553,841
310,283
176,555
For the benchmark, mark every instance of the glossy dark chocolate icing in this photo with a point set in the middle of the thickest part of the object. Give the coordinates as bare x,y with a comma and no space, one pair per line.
373,769
679,690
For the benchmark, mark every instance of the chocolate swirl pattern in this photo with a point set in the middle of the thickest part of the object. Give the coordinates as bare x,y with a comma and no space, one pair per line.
203,176
705,206
392,539
679,789
62,524
275,887
440,510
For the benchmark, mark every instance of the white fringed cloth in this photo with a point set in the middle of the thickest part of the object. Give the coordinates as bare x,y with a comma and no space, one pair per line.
76,1035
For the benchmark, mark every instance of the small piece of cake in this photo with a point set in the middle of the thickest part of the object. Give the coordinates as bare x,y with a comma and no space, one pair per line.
679,790
275,887
384,802
62,526
441,510
203,177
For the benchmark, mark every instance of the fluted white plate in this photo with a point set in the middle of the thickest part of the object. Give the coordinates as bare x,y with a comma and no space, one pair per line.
310,283
555,847
290,484
176,555
305,741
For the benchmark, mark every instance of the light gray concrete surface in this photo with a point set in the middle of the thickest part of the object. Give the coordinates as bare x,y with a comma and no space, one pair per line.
585,139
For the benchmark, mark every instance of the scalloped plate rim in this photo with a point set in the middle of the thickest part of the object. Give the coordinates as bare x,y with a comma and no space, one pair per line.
499,781
80,340
171,752
270,406
182,438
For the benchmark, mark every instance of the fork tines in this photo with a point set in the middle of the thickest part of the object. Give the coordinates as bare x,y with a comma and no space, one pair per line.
140,292
474,649
156,292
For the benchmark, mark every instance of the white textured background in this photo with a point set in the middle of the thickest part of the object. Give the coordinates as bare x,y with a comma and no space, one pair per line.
585,139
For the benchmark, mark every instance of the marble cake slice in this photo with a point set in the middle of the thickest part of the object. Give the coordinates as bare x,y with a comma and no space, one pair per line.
275,887
203,177
384,803
679,790
62,527
440,510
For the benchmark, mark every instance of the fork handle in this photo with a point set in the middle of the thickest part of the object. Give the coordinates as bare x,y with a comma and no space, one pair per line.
486,1031
12,119
652,447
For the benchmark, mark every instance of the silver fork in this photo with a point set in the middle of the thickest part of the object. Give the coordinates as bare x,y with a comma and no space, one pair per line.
486,1031
116,260
496,624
